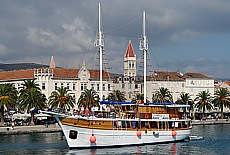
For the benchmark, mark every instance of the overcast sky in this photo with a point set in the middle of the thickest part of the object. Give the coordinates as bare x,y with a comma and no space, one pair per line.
184,36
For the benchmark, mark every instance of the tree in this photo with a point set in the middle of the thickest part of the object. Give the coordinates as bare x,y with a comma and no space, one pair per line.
138,99
8,98
163,95
116,95
61,98
31,98
204,101
30,84
221,99
88,98
185,99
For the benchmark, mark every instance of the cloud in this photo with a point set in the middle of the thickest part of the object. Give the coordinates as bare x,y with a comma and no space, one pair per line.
32,31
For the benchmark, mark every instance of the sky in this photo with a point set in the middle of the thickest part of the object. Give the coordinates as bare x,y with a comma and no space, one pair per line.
183,36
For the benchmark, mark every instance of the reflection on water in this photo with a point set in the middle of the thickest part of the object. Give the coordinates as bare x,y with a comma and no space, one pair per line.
216,141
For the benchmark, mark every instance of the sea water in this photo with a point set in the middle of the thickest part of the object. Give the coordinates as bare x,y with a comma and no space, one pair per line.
215,141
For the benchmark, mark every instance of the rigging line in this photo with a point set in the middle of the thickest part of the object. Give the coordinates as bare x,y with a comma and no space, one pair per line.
121,35
90,45
124,24
157,47
113,58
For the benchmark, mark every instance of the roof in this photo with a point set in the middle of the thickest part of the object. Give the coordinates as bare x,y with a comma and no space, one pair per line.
195,75
175,76
166,76
130,51
57,73
17,74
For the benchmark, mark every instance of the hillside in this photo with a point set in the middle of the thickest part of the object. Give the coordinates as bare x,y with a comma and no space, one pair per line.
20,66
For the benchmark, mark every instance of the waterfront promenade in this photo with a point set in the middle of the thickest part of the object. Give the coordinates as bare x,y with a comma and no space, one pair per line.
29,129
56,128
210,122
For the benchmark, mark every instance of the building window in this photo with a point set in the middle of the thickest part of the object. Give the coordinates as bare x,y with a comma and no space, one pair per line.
92,86
123,85
67,85
85,86
207,82
183,85
103,87
130,95
98,87
74,86
62,84
55,86
136,86
82,86
108,87
130,86
43,86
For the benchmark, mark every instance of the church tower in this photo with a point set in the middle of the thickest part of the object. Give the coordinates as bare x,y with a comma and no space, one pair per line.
130,61
52,63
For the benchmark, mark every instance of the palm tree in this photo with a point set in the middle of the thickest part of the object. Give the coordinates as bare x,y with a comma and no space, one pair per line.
222,99
8,98
204,101
163,95
61,98
138,99
88,98
116,95
30,84
185,99
31,97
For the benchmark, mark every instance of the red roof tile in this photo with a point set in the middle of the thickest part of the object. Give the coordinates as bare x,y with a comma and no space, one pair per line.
58,73
130,51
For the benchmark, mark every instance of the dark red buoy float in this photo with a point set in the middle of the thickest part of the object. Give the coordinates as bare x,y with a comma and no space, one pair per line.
138,133
92,139
174,133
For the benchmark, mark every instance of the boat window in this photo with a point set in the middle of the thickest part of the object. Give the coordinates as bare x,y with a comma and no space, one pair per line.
153,125
134,124
114,125
73,134
170,125
123,124
127,124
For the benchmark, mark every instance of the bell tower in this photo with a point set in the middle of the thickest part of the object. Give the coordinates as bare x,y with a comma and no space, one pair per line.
130,61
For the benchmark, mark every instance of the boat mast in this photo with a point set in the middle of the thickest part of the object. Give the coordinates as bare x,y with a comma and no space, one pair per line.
144,47
100,43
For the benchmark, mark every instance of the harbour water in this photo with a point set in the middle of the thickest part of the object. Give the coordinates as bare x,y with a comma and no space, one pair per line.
216,140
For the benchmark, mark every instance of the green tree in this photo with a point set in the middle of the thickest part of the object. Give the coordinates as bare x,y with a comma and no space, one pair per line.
30,84
221,99
88,98
8,98
204,101
61,98
138,99
186,99
116,95
31,98
163,95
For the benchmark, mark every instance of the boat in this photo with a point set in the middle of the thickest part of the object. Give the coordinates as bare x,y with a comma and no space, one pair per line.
117,124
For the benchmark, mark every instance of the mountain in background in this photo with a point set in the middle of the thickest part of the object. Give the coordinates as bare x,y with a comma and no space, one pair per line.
21,66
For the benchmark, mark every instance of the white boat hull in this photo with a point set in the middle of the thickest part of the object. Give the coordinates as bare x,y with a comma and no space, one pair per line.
117,137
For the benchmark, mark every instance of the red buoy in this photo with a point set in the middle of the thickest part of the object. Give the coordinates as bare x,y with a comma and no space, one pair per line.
92,139
174,133
138,133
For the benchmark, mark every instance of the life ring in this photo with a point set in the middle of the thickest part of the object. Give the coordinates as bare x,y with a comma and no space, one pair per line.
146,116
